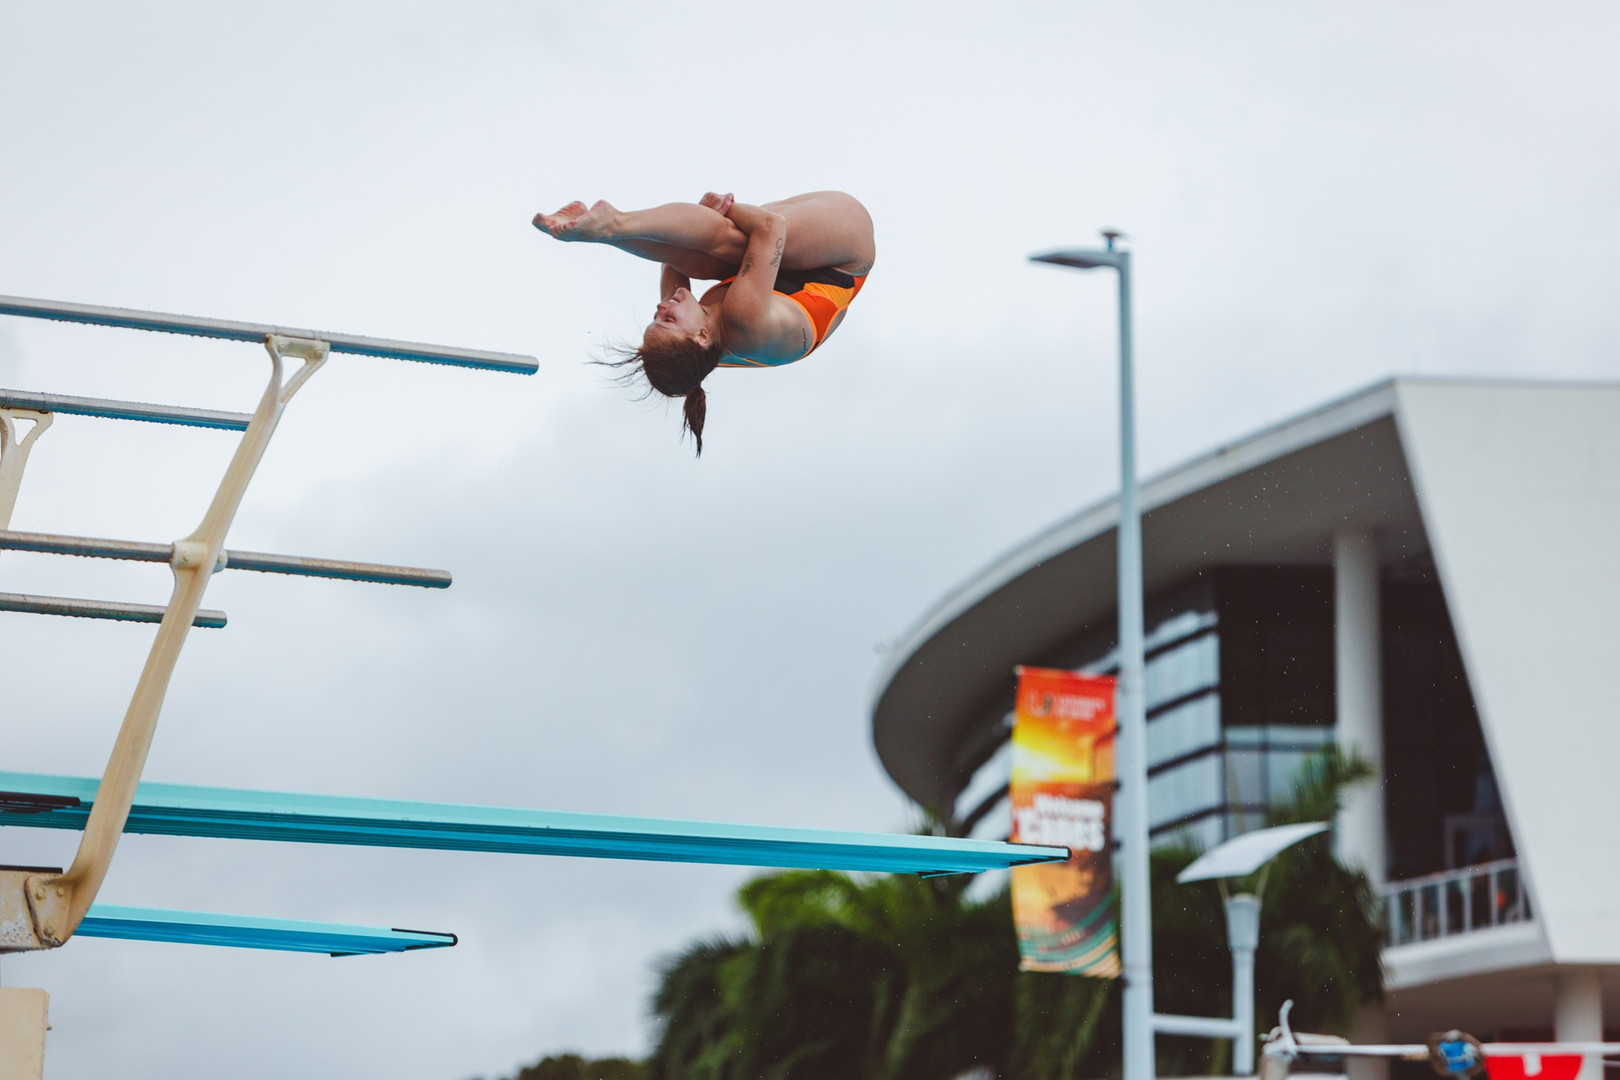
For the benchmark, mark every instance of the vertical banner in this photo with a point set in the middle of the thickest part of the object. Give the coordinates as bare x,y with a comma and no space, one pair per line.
1063,793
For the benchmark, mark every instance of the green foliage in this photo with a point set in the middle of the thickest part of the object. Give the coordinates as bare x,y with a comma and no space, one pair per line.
903,978
1321,942
574,1067
894,977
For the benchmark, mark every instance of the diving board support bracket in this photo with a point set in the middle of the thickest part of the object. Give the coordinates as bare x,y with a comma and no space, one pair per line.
14,454
57,902
23,1025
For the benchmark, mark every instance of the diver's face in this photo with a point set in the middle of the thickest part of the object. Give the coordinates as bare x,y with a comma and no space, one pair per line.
679,316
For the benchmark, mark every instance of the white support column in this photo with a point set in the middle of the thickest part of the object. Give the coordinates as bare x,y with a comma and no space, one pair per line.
1578,1014
1359,725
1359,714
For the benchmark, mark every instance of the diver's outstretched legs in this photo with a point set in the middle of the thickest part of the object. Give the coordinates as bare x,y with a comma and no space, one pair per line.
824,229
694,240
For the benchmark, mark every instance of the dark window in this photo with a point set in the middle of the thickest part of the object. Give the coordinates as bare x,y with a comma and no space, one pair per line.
1440,791
1276,646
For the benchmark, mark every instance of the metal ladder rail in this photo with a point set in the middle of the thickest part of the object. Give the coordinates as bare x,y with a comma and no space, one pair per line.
233,330
262,562
42,910
112,409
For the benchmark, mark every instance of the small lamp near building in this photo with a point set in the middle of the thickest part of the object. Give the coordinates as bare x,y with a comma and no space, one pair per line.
1237,858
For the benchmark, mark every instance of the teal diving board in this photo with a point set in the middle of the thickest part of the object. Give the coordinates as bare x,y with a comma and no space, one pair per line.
63,802
250,932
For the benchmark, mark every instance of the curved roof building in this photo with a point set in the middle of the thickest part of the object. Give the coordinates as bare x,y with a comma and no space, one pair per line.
1427,572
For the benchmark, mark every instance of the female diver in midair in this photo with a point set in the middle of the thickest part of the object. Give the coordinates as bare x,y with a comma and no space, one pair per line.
787,272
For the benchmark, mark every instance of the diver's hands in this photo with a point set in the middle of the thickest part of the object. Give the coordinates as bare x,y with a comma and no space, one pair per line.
575,222
752,219
720,204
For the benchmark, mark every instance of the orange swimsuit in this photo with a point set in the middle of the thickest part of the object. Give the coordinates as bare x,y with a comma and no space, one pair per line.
821,293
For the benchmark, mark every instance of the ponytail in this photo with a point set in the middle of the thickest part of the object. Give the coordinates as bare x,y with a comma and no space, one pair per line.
675,369
695,407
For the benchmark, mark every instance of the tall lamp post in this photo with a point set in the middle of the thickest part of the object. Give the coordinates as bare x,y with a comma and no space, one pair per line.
1131,705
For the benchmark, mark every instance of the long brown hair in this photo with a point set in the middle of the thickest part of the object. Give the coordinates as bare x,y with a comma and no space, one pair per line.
675,367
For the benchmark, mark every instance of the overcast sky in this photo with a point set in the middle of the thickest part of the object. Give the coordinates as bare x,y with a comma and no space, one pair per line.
1319,197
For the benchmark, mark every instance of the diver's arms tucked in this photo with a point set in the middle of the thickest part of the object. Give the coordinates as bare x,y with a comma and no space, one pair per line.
759,324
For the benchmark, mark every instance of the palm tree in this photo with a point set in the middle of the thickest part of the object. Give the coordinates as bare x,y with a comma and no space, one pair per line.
894,978
903,978
1320,939
575,1067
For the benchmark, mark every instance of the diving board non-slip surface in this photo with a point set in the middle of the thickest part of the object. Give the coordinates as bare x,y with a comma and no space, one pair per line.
110,409
232,330
263,562
63,802
206,618
251,932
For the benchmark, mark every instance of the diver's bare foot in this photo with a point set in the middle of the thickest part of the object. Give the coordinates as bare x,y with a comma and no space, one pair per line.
573,222
559,223
597,223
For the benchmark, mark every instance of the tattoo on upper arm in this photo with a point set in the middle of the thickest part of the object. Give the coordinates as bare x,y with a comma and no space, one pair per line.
780,240
748,264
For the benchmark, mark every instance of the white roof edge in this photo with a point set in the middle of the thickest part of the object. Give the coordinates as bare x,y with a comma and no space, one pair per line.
1269,443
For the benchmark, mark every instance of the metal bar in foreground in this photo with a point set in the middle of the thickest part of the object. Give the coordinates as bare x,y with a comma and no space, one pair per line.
1420,1051
205,618
110,409
232,330
63,802
262,562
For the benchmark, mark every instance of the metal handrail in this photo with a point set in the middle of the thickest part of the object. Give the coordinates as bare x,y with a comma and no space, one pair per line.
263,562
234,330
111,409
1454,902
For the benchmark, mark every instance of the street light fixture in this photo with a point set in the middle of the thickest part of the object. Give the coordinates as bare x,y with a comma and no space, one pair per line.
1130,699
1237,858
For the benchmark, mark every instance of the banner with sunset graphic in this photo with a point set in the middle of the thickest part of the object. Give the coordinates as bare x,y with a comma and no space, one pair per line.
1063,793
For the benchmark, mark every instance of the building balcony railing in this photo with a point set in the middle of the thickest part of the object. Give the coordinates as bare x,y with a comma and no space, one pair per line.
1454,902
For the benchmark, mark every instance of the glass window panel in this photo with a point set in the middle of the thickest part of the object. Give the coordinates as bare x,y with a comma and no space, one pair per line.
1202,834
1176,626
1283,770
1246,776
1195,665
1298,735
1239,822
988,778
1185,789
1245,736
1188,727
997,824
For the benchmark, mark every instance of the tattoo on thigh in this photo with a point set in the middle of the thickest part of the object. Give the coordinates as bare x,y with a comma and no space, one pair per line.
804,339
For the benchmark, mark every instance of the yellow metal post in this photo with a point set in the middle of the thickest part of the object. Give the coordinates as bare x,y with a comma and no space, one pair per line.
59,901
14,455
22,1033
